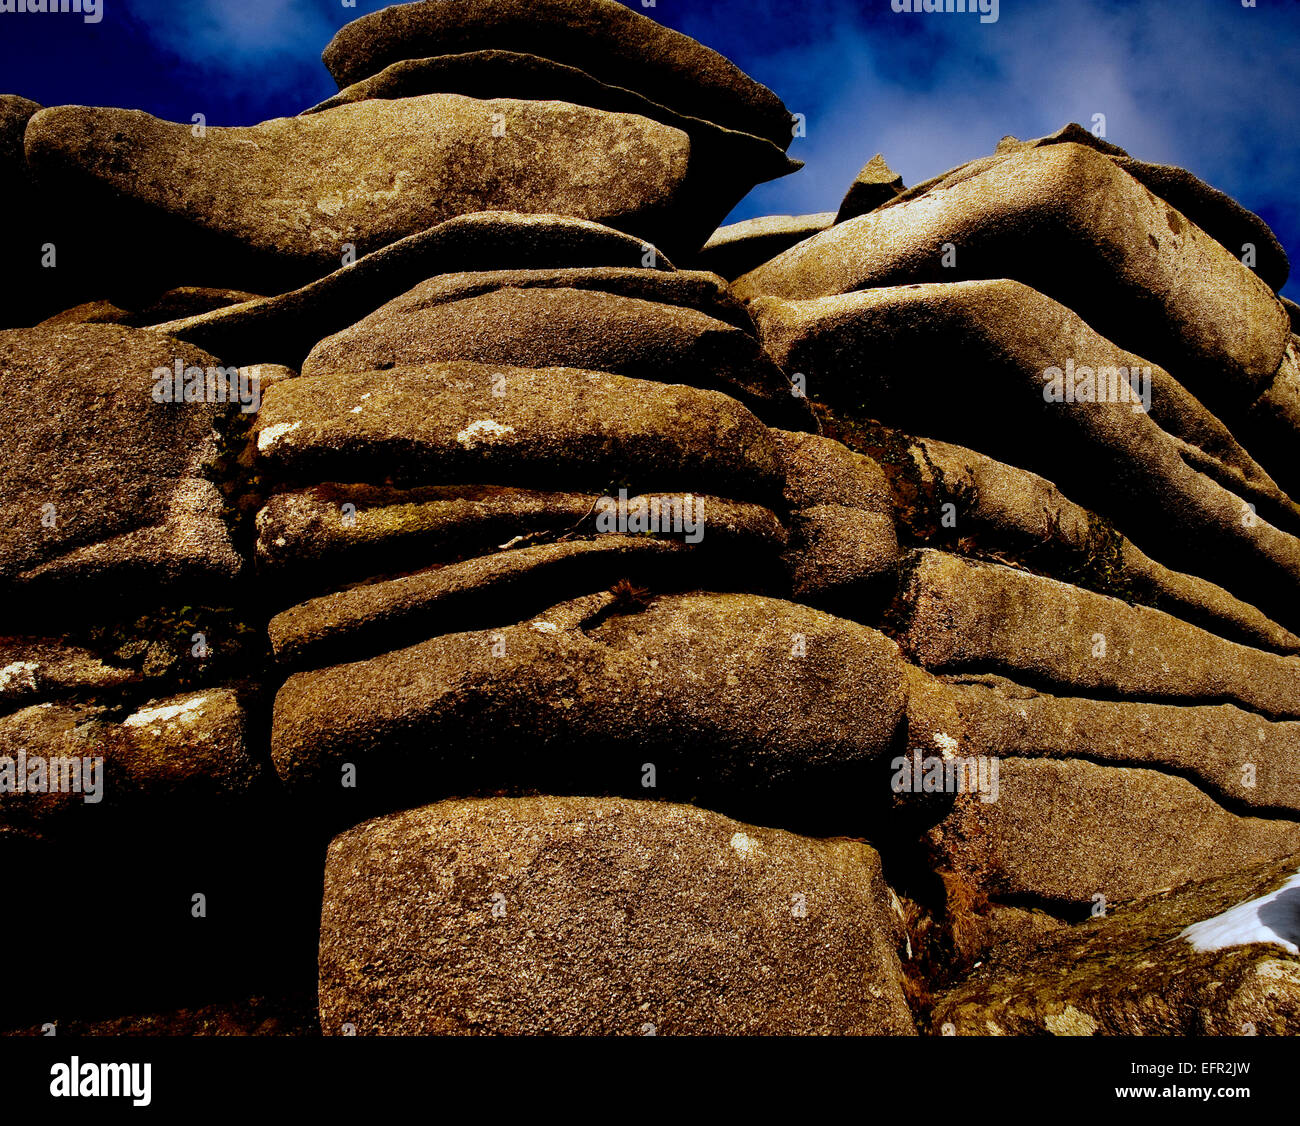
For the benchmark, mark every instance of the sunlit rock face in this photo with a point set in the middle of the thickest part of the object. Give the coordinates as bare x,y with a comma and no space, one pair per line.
524,607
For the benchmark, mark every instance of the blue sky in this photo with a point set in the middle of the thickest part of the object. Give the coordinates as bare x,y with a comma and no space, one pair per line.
1212,85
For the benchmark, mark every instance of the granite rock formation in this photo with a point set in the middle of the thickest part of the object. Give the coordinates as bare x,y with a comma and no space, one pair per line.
796,627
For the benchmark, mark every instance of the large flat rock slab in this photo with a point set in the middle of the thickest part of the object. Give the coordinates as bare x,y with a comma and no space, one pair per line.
283,201
284,328
960,615
1129,264
460,421
527,76
1246,763
729,696
1171,478
998,509
608,40
599,917
1064,832
568,327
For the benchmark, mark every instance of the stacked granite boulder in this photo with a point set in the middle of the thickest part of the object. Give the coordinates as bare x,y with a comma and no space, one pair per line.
407,509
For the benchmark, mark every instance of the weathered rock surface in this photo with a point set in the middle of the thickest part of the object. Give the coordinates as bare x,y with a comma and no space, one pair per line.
687,289
1241,760
1273,423
556,534
1218,215
185,301
517,74
575,328
503,588
728,696
1062,832
309,539
843,554
740,247
104,488
36,668
169,758
1129,264
284,328
963,616
1207,509
875,185
998,510
1130,974
442,423
606,39
583,916
284,200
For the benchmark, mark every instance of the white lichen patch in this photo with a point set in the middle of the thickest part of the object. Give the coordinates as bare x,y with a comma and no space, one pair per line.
1273,970
544,627
745,845
21,674
1274,917
147,717
946,743
1070,1022
272,434
483,430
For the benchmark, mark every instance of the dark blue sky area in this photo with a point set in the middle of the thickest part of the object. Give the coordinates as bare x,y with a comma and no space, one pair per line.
1212,85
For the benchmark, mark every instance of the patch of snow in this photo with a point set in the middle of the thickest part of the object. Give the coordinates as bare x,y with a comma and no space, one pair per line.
1274,917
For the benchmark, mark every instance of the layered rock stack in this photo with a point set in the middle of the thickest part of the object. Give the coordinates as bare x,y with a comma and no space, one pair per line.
642,637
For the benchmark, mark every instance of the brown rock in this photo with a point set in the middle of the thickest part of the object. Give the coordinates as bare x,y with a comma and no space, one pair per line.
283,329
1000,509
960,616
1131,974
516,74
606,39
1240,759
1062,832
843,553
503,588
170,757
187,301
275,205
104,488
875,185
587,916
740,247
589,329
1129,264
441,423
1210,511
732,698
687,289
